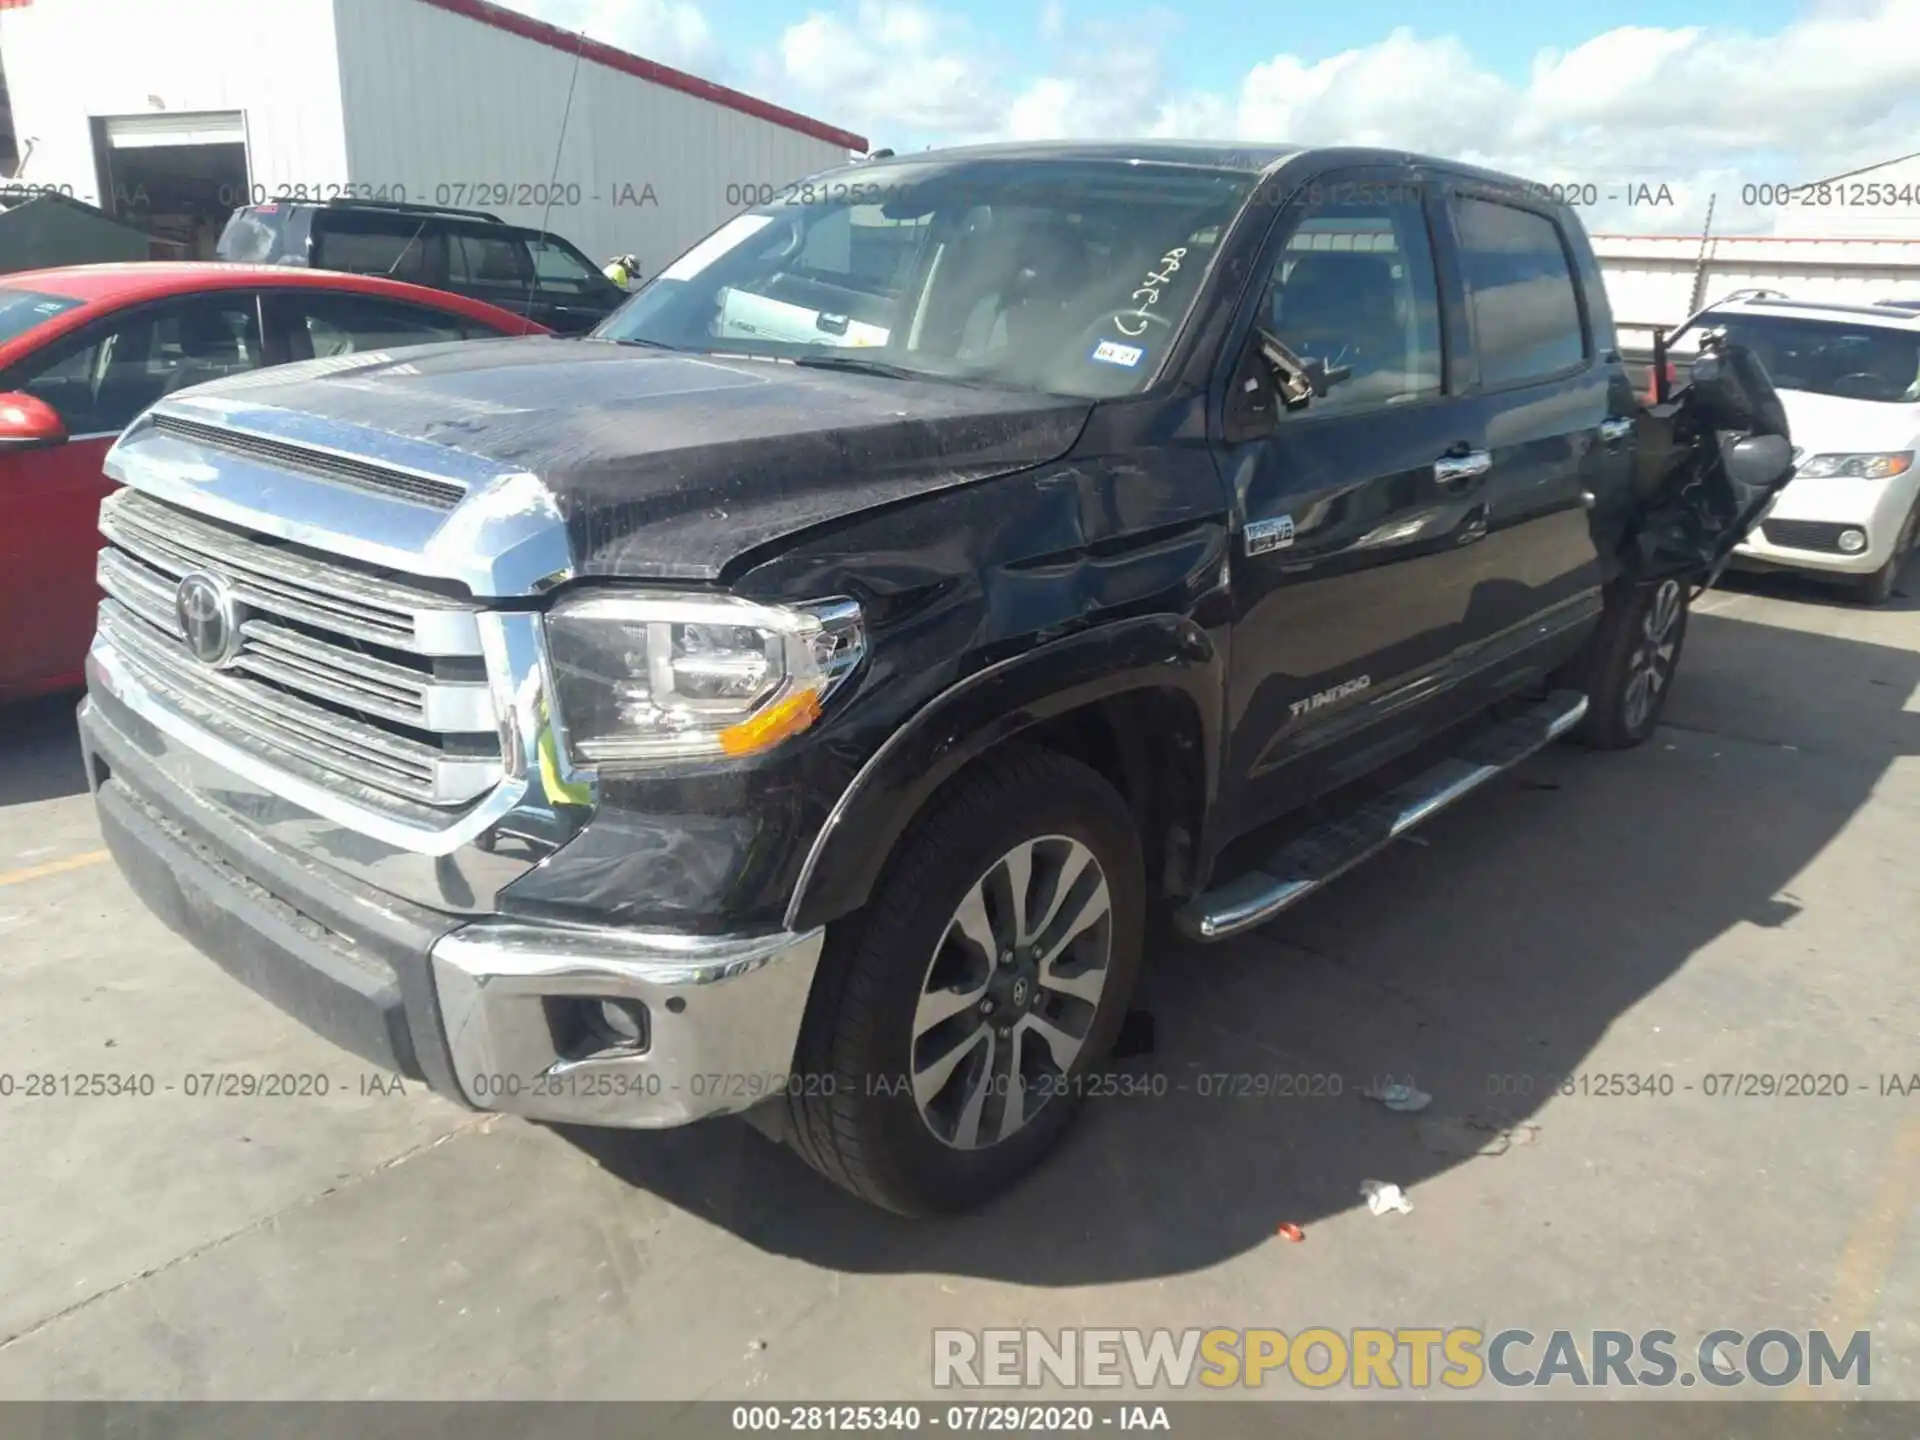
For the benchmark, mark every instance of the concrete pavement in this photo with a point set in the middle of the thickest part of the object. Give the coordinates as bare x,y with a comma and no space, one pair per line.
1733,898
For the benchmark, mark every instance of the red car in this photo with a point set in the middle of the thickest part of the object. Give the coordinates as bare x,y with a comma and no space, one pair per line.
85,350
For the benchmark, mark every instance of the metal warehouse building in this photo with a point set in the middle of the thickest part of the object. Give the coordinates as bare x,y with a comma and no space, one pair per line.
171,113
1852,238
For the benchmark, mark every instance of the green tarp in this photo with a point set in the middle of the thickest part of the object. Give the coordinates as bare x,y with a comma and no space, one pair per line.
50,230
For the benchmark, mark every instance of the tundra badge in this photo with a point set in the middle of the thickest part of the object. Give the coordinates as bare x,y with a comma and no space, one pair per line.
1327,697
1265,535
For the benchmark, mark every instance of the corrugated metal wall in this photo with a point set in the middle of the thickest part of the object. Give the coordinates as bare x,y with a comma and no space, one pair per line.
452,109
68,60
1651,279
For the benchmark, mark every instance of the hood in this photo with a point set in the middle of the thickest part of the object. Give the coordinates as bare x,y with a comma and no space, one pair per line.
663,464
1822,424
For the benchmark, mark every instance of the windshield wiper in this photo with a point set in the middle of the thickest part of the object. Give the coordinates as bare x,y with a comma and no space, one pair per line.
861,365
635,340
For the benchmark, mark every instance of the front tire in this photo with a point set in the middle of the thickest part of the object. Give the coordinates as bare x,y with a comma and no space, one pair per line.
951,1021
1877,588
1628,665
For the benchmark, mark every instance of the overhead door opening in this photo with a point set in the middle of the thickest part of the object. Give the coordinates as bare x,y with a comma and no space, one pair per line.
178,177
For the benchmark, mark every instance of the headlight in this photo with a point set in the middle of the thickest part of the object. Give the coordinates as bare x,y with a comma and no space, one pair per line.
1883,466
645,676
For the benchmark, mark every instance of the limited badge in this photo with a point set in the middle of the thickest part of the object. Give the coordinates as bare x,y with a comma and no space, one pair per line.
1112,352
1265,535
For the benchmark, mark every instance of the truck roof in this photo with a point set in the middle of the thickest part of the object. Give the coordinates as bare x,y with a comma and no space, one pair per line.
1253,159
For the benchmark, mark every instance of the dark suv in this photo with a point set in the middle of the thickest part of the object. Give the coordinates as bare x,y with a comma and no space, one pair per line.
807,695
468,252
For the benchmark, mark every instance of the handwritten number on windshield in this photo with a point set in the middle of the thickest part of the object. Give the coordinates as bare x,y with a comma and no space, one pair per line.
1148,295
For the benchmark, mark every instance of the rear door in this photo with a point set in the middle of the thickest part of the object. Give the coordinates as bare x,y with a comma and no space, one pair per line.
1542,394
1360,511
98,379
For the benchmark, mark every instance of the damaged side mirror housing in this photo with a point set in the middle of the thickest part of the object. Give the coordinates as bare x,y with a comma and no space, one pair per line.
1252,407
1755,464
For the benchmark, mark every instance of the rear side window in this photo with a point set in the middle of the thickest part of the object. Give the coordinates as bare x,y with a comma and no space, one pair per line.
1521,290
250,238
485,260
402,252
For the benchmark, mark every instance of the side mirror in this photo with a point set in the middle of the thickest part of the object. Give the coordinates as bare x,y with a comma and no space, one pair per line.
1300,381
1758,464
29,423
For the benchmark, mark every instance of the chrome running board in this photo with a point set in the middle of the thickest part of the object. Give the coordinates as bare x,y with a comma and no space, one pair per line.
1327,851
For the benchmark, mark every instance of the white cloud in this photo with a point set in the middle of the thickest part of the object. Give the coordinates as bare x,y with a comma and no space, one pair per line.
1694,108
890,66
1403,91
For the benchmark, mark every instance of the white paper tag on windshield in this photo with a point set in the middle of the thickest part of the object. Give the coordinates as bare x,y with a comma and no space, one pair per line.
1112,352
728,236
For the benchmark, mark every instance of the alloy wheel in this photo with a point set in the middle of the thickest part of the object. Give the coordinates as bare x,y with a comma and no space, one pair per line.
1650,667
1011,992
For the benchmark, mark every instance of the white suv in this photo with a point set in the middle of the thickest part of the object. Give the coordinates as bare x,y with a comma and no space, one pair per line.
1849,376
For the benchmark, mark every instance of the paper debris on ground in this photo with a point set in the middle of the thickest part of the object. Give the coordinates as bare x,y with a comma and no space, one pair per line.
1403,1098
1382,1197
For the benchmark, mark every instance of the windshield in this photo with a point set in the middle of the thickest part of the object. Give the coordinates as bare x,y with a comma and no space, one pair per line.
1825,357
1064,277
21,310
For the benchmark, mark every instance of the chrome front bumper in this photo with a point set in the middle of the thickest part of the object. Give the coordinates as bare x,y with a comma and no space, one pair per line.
722,1018
486,1010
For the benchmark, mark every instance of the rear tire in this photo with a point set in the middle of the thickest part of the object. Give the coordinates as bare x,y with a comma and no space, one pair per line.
1628,665
948,1026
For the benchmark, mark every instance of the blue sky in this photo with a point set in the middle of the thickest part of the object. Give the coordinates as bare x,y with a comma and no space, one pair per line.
1701,98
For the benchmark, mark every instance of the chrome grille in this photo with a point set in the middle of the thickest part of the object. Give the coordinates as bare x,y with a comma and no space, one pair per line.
361,677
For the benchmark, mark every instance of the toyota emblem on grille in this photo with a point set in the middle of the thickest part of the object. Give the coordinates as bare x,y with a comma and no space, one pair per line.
208,616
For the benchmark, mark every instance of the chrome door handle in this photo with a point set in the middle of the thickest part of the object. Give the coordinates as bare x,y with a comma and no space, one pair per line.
1615,428
1452,469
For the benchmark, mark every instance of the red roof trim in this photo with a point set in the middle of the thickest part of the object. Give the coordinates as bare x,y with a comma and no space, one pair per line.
539,31
1767,239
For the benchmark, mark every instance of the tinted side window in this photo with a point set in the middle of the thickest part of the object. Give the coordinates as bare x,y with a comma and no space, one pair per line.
355,324
485,260
250,238
562,269
1355,289
402,251
111,377
1520,288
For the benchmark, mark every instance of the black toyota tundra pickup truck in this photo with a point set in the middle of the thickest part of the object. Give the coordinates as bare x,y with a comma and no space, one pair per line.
806,694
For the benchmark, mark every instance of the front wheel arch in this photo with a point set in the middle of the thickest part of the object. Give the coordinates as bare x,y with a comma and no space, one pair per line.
1157,670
